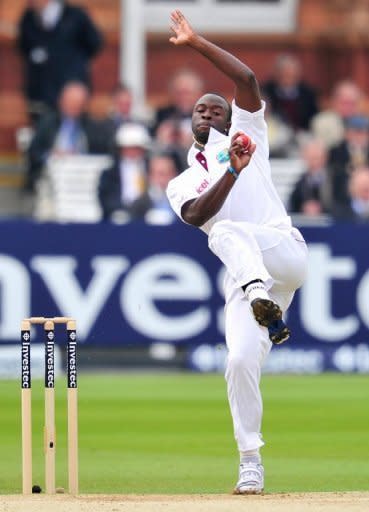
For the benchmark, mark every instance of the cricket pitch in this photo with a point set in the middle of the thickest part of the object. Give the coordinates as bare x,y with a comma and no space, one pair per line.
293,502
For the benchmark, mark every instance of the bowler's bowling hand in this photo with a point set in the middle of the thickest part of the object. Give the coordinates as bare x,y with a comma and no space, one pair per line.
182,30
238,156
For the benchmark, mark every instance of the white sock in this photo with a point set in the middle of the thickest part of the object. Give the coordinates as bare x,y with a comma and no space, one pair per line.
250,456
256,290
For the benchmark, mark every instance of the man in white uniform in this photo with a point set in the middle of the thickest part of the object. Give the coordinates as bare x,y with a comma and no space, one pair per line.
228,193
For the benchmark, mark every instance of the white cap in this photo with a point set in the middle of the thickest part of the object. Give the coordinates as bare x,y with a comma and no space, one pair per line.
129,135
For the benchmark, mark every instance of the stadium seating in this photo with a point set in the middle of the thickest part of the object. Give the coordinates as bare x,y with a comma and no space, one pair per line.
67,192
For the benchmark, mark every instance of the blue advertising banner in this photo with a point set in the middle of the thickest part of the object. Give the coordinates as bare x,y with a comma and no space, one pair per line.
135,285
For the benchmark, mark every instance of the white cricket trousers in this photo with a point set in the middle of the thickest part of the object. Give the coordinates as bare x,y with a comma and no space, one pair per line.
279,258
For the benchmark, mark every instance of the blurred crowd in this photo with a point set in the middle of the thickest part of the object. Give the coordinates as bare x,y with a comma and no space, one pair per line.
58,42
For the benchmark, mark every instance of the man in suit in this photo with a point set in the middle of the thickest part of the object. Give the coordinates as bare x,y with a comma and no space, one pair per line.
291,98
352,152
120,112
310,193
57,42
357,208
329,125
153,205
184,88
68,131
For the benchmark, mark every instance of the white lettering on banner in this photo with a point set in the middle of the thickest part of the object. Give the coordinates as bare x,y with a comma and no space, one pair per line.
173,277
209,358
351,359
167,277
58,272
363,298
15,291
316,295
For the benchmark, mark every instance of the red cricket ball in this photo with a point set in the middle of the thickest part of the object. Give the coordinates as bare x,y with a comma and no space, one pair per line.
245,140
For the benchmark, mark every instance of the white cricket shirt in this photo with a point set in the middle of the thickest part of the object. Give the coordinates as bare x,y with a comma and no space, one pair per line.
253,197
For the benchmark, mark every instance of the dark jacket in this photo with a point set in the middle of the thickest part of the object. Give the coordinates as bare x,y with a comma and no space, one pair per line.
144,204
42,143
110,191
141,206
345,213
69,46
340,167
170,112
305,190
297,112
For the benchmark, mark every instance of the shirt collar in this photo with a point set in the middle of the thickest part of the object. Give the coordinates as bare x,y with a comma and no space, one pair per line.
214,138
51,14
360,207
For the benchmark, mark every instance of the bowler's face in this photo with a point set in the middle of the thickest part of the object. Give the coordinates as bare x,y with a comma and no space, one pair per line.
210,111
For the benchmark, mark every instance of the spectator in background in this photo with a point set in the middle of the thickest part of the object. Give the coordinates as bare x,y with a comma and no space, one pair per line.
121,105
57,42
291,98
310,194
170,139
357,208
281,137
328,125
185,87
120,111
153,205
125,181
68,131
352,152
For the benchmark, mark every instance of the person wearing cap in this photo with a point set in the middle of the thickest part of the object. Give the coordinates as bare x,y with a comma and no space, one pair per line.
352,152
125,181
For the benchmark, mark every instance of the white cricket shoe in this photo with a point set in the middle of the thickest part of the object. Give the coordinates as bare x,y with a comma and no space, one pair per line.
250,479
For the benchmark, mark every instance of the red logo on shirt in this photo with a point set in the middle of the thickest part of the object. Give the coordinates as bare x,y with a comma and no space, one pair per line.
202,187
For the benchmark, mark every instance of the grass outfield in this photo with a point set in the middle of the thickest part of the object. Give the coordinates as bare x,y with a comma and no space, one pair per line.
172,434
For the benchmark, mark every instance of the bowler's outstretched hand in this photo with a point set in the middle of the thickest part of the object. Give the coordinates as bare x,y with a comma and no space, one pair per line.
183,32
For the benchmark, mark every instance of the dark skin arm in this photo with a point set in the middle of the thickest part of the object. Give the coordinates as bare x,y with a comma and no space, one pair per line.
203,208
247,94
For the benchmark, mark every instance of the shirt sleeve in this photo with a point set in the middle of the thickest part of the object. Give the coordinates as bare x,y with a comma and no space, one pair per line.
178,194
253,124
